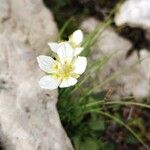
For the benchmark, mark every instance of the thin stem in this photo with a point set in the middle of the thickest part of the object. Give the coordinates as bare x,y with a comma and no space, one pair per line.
80,89
119,103
64,28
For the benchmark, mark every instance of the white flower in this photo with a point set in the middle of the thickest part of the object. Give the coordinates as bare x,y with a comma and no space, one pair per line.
64,71
54,46
75,41
76,38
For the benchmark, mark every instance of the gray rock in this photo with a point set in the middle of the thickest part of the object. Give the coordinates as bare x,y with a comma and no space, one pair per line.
136,80
28,114
135,77
28,21
135,13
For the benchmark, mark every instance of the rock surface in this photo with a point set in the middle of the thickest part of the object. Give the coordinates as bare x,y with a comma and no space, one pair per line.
134,79
135,13
28,114
28,21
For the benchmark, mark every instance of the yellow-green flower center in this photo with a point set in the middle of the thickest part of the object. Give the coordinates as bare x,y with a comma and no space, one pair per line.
66,70
63,71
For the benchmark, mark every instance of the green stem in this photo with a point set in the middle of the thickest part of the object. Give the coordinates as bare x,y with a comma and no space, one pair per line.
80,89
64,28
118,102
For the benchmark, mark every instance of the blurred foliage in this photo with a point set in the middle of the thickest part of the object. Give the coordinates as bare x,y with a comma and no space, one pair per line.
76,10
89,130
65,9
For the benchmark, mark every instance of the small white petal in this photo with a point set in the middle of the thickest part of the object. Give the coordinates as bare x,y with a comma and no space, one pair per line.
53,46
77,37
46,63
65,52
78,51
80,65
68,82
49,82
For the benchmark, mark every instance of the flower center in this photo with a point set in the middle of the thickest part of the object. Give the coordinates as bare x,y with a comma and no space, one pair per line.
63,71
66,70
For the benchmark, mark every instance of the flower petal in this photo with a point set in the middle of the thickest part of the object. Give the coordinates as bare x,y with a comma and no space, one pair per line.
65,52
77,37
46,63
78,51
68,82
53,46
49,82
80,65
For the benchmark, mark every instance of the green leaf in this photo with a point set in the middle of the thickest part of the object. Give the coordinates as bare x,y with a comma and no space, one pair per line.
89,144
97,125
76,142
